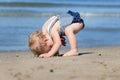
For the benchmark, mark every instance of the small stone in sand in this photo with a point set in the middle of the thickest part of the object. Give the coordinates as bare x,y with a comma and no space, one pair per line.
17,55
99,54
51,70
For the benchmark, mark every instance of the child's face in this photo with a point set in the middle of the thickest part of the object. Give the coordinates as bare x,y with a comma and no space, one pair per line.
49,45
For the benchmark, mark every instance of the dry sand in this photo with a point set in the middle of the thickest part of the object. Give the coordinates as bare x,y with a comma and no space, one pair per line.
92,64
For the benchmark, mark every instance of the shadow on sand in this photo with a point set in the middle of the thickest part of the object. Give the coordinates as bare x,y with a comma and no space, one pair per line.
83,53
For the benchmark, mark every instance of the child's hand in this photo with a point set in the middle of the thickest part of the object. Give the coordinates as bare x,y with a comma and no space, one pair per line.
45,55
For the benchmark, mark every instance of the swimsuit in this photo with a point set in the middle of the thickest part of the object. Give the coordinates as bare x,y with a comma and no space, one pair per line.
73,17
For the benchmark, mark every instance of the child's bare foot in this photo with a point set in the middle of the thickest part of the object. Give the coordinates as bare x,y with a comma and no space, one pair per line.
71,53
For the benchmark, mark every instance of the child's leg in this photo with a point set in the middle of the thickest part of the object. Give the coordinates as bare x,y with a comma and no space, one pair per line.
70,32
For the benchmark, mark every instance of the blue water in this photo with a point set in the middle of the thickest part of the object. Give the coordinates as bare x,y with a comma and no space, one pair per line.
19,18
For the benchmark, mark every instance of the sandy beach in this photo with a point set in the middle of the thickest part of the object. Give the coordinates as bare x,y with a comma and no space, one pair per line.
101,63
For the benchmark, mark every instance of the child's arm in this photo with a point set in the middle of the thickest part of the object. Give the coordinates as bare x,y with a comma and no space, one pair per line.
56,40
57,44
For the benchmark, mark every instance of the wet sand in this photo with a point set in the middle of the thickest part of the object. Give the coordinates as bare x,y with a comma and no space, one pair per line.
101,63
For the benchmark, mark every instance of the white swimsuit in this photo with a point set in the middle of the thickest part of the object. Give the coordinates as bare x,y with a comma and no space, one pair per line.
65,20
71,17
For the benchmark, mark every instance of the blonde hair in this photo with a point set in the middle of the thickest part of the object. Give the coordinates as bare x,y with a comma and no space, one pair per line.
33,38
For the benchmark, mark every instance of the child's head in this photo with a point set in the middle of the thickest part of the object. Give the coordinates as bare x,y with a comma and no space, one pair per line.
37,42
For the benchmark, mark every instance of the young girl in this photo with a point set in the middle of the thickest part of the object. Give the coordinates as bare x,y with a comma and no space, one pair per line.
46,43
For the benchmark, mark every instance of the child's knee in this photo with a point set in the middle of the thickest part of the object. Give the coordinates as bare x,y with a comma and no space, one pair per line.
68,30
